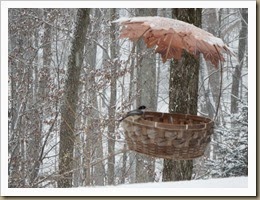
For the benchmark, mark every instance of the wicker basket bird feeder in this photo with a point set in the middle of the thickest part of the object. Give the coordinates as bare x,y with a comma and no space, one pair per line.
166,135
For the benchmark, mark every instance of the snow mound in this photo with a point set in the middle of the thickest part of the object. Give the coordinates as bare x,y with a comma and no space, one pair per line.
233,182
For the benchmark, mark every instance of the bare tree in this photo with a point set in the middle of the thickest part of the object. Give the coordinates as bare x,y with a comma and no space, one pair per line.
112,103
23,107
183,94
146,83
210,22
236,78
93,128
68,112
16,105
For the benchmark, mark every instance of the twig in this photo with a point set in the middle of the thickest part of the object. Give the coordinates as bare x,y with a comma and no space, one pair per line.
41,157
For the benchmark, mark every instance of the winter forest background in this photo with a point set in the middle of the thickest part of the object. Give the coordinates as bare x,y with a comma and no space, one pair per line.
57,138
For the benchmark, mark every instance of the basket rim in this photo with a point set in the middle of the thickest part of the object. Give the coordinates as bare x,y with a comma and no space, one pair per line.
150,124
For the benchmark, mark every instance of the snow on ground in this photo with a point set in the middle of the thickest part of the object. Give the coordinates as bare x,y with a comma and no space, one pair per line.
235,186
233,182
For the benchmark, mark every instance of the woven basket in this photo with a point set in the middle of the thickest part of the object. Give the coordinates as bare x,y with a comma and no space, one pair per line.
166,135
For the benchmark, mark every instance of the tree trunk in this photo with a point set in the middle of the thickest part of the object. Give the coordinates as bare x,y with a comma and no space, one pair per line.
131,154
112,103
183,95
14,116
68,112
123,175
41,96
94,132
210,22
146,83
236,78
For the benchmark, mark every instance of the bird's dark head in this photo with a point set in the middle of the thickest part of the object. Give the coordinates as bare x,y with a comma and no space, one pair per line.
142,107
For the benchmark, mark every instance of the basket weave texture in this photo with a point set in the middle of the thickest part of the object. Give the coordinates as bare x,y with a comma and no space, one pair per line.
167,135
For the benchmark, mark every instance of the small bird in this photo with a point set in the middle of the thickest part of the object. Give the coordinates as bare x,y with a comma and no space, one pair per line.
135,114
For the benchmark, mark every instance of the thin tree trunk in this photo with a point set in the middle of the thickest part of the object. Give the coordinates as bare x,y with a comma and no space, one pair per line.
210,21
183,95
13,113
112,103
68,112
94,131
87,159
146,83
236,78
123,176
18,105
41,96
131,154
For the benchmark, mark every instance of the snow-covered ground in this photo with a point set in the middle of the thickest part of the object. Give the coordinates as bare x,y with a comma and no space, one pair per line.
234,186
233,182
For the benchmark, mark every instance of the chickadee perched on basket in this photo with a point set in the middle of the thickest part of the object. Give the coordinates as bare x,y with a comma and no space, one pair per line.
134,114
